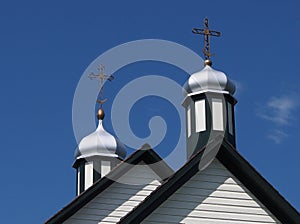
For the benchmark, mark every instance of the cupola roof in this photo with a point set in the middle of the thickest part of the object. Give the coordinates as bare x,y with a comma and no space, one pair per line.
100,143
209,79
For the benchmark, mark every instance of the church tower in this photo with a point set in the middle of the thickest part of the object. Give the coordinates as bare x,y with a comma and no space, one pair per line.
209,102
97,154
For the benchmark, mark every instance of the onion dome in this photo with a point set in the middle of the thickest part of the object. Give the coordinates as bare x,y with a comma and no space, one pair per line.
209,79
100,143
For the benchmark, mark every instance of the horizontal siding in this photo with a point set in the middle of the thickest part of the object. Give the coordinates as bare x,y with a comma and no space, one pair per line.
191,220
199,213
119,199
212,207
222,191
212,196
214,200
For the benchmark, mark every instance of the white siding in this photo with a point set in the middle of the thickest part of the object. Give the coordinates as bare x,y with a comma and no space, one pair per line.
118,199
212,196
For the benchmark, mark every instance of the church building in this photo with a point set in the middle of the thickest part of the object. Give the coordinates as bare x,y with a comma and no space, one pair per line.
216,185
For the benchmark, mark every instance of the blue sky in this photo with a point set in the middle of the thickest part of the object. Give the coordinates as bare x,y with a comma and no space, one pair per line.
46,46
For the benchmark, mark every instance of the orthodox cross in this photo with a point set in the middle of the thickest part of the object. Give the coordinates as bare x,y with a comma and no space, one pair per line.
102,77
207,33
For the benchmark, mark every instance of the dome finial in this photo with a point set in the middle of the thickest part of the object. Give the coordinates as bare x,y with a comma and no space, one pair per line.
206,32
100,114
207,62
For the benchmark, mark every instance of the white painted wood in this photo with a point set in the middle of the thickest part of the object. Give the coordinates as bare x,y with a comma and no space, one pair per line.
212,196
199,213
211,186
105,167
212,207
192,220
215,200
143,175
119,199
200,115
230,118
214,193
188,121
88,175
217,114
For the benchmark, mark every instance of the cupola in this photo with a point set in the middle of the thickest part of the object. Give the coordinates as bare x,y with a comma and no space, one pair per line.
96,155
209,102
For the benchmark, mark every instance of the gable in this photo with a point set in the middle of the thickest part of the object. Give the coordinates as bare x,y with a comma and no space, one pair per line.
213,195
262,192
136,167
119,199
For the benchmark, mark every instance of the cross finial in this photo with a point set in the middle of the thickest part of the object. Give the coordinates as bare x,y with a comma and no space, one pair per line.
206,32
102,77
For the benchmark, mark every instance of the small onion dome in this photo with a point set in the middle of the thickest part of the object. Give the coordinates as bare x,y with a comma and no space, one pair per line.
100,143
209,79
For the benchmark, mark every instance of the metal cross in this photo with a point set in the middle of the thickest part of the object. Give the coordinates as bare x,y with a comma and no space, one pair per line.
102,77
206,32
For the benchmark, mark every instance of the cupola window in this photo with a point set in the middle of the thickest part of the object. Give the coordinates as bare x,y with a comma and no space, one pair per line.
200,115
105,167
188,120
217,115
88,174
230,118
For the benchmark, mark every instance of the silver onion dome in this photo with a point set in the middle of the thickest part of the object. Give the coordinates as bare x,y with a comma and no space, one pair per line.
209,79
100,143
